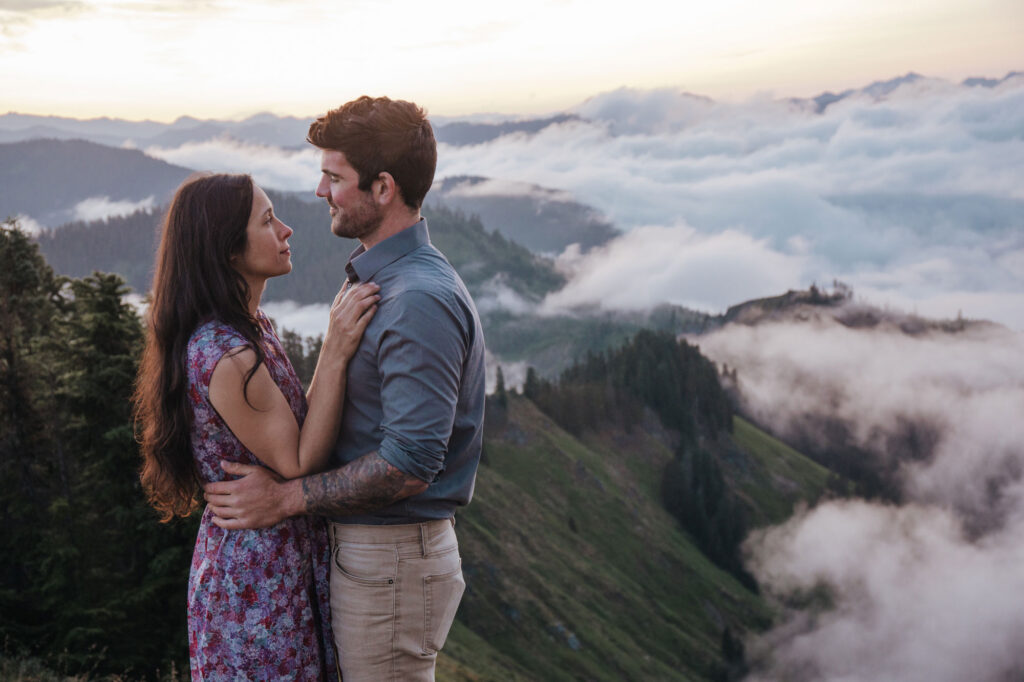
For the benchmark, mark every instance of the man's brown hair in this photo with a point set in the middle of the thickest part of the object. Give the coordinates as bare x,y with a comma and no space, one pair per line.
378,134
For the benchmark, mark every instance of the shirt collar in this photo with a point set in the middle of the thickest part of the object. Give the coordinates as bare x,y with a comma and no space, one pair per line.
364,264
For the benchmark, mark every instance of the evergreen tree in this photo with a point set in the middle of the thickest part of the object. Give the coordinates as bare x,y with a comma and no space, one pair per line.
499,389
531,387
88,578
29,292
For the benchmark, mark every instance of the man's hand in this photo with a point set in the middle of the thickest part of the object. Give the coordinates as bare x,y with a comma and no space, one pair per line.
259,499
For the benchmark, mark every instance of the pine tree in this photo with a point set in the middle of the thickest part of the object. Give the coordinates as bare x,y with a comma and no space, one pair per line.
87,574
499,389
28,305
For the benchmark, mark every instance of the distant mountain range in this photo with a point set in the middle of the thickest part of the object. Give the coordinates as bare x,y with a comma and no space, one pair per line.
47,179
880,89
289,132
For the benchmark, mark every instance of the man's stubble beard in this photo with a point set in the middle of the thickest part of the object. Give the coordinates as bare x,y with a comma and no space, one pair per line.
359,223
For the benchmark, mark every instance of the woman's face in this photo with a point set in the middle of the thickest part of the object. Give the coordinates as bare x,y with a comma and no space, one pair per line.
266,253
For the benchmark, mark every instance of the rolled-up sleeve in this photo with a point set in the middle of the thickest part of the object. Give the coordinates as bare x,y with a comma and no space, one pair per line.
420,359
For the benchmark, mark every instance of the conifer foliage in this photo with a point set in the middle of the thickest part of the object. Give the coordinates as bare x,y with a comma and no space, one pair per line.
671,378
88,579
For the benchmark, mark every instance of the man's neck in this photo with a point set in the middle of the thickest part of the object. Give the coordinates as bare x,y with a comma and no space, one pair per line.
390,226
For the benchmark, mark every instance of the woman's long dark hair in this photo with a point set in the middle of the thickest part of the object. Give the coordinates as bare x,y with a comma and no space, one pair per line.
194,281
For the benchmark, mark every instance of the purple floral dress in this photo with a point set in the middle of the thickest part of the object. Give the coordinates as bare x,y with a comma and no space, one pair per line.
258,606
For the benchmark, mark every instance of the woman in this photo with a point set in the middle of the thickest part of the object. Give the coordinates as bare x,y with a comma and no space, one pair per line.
214,383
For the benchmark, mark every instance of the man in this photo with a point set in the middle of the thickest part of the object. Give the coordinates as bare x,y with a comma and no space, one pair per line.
412,425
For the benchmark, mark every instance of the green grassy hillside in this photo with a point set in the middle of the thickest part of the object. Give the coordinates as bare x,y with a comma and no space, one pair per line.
769,476
575,571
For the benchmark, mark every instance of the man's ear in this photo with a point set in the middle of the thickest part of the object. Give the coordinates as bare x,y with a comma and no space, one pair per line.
385,191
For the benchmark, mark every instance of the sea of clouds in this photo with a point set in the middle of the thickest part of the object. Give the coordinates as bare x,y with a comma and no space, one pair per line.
915,199
924,591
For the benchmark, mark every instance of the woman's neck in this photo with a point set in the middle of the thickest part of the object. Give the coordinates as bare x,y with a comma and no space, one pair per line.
256,288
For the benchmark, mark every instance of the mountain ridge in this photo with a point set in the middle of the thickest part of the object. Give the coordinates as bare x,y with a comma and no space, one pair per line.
289,131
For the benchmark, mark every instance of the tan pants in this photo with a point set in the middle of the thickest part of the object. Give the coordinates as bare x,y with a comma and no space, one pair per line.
394,593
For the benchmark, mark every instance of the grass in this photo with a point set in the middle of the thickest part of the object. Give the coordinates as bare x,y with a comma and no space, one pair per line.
770,476
575,571
29,669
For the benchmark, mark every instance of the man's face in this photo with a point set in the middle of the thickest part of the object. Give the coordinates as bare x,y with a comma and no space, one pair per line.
354,213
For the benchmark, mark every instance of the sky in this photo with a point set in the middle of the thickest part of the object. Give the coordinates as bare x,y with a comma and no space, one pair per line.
231,58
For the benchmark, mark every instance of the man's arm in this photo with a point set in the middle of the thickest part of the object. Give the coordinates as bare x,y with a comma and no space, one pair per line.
261,498
368,483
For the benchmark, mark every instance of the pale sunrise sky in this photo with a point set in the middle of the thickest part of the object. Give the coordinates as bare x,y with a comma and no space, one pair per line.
232,58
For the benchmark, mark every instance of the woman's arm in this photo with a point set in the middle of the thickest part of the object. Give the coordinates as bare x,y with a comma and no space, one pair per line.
265,423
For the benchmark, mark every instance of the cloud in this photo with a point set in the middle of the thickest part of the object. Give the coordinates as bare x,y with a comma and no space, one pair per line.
496,294
101,208
911,196
918,592
306,320
917,601
271,167
505,188
661,110
29,224
17,17
37,5
915,196
653,265
513,373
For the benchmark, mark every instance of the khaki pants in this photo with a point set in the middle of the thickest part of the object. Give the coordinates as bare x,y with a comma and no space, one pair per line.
394,593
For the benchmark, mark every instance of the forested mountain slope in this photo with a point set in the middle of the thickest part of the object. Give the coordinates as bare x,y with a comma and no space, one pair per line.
127,244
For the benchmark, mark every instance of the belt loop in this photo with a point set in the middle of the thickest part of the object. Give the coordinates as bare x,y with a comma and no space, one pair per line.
424,537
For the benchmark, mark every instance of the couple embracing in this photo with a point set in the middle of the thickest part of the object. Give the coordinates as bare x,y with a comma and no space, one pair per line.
327,545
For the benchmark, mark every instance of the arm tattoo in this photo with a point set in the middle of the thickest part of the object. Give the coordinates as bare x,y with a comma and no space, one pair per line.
368,483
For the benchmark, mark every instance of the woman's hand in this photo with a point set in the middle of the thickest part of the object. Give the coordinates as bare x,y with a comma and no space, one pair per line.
351,312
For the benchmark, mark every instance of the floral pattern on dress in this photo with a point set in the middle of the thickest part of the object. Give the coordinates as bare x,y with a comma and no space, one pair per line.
258,604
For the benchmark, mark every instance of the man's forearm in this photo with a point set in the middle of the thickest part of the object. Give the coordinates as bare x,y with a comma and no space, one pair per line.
367,484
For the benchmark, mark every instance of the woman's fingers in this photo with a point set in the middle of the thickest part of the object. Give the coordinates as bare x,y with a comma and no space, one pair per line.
351,313
356,303
346,285
364,319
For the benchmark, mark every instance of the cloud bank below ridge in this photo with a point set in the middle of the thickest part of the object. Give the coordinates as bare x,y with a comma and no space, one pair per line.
912,197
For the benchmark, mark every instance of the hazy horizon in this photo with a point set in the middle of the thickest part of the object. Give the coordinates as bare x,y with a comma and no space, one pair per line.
512,114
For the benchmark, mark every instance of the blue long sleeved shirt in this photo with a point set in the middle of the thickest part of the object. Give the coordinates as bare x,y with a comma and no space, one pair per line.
415,391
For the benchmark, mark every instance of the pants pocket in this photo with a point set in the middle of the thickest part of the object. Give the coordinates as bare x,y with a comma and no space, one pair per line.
441,597
363,599
364,568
